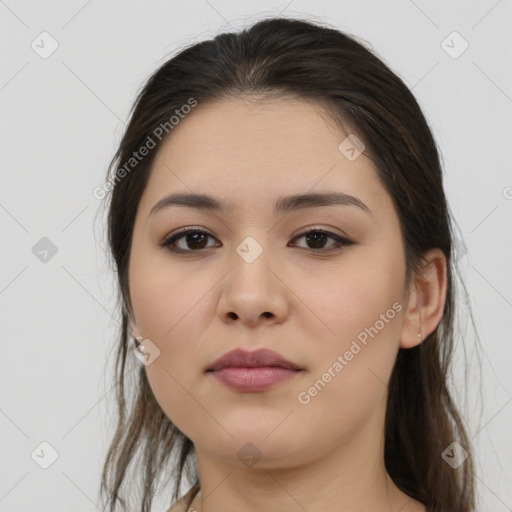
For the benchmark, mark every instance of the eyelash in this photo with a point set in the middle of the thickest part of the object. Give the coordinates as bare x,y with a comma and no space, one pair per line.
169,241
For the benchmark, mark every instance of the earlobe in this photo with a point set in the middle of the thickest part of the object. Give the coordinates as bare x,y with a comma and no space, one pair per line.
427,298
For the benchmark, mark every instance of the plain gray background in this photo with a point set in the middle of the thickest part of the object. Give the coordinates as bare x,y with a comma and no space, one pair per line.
62,116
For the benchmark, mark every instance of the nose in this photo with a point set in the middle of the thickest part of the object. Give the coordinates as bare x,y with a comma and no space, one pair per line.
254,292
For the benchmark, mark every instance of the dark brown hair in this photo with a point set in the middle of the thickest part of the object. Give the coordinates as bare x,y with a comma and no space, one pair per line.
301,59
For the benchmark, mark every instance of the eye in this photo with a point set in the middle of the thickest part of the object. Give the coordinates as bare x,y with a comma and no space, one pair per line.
192,237
195,240
318,237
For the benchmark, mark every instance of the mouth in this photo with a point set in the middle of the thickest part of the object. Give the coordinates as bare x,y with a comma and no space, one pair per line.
253,379
253,371
258,358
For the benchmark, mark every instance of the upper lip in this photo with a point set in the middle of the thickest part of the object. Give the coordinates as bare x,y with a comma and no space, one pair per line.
243,358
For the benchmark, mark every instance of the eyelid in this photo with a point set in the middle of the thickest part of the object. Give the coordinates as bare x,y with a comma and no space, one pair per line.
322,229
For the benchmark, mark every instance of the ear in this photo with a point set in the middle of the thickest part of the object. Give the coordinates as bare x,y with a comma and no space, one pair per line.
133,329
426,300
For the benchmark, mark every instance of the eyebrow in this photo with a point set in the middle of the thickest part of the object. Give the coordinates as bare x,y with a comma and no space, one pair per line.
282,206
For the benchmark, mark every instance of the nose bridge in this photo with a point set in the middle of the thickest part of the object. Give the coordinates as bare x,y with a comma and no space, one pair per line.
251,260
252,288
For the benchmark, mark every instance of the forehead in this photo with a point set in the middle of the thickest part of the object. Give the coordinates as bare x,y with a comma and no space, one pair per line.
248,151
257,128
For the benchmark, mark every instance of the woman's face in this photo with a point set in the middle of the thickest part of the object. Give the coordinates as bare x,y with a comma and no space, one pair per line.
335,310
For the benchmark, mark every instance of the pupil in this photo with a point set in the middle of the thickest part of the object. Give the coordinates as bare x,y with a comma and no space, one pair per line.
315,237
194,236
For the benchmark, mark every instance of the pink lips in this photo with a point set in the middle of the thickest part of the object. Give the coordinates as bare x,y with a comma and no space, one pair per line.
253,371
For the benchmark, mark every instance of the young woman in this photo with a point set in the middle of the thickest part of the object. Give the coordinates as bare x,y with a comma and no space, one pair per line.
284,253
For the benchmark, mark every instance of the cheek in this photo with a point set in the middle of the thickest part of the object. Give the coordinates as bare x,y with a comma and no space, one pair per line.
352,298
168,300
346,388
363,315
171,308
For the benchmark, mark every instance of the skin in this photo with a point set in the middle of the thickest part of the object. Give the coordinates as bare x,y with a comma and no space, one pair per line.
326,454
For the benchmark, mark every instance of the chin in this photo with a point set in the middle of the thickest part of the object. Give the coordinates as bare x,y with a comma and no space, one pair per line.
262,448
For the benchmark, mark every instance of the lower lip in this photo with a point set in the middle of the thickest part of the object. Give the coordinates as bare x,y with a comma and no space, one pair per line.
253,379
